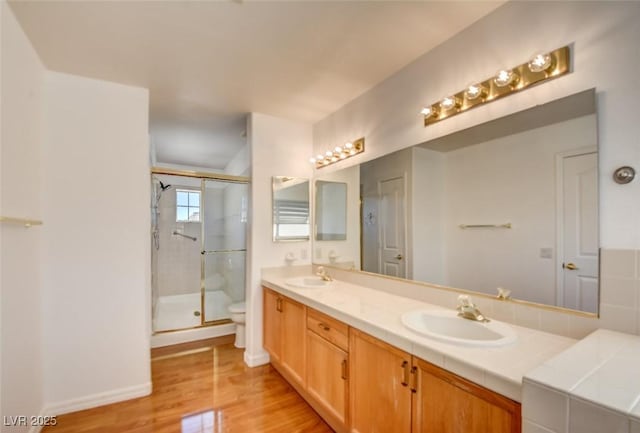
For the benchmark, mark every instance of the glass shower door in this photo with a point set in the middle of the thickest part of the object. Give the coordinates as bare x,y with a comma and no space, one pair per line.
224,234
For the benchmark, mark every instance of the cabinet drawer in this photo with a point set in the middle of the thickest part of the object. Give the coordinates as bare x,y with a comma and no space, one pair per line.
328,328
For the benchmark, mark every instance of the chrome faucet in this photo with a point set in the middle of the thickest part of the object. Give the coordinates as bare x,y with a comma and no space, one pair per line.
468,310
322,273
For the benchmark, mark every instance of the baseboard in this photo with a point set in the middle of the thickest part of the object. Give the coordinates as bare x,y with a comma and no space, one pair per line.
38,428
99,399
260,358
177,337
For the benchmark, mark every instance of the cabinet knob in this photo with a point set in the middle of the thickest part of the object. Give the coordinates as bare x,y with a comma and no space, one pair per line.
323,326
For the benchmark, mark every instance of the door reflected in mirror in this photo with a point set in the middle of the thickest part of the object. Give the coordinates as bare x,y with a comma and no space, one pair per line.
290,206
331,211
510,204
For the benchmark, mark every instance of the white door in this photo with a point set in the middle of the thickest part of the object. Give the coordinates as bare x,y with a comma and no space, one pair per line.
392,227
578,265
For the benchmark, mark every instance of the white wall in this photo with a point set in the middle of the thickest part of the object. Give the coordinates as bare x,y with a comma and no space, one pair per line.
96,249
604,38
279,147
240,165
21,357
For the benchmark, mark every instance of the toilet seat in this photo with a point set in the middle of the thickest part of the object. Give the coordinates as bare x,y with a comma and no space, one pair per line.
239,307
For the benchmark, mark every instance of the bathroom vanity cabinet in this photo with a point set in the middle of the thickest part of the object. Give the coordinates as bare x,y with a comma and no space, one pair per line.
328,365
380,394
284,333
360,384
447,403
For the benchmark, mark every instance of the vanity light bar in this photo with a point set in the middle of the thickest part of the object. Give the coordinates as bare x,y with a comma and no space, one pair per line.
339,153
541,68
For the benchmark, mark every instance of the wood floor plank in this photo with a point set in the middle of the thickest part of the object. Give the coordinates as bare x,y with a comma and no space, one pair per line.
203,387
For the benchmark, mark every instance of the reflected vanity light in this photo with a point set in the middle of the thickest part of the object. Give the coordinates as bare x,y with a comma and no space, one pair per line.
541,67
338,153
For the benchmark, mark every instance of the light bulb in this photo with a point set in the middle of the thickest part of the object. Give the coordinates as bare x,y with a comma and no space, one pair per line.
426,111
329,153
475,91
338,149
343,155
430,111
334,158
540,63
505,78
449,102
319,157
352,152
348,145
312,160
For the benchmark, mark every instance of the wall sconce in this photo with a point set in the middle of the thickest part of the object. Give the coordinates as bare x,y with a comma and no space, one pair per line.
540,68
339,153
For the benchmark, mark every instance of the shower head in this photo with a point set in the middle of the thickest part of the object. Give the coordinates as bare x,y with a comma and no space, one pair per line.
163,186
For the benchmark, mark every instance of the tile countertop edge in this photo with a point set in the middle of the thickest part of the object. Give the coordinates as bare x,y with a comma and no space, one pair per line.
607,346
493,379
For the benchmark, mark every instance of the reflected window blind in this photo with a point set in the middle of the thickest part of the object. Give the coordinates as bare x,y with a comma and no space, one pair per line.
291,212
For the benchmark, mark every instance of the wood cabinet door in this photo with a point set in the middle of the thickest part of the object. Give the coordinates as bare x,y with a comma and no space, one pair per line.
272,324
293,335
327,371
380,400
447,403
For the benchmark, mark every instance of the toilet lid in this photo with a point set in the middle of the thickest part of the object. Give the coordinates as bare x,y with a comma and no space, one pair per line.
237,308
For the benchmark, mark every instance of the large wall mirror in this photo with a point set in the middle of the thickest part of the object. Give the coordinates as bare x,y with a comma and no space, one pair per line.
290,204
511,204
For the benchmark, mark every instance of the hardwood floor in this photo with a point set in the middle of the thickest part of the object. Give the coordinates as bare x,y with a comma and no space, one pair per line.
203,387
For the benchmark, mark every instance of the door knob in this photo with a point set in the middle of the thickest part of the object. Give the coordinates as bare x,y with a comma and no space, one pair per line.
399,257
570,266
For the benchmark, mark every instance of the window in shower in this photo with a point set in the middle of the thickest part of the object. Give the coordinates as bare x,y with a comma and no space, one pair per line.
187,205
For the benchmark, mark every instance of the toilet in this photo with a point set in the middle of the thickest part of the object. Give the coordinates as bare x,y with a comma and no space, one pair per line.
237,311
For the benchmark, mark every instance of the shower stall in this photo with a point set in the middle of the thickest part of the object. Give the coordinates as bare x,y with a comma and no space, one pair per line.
198,248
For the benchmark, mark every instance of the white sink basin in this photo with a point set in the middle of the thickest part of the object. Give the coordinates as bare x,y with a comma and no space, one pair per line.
448,327
307,282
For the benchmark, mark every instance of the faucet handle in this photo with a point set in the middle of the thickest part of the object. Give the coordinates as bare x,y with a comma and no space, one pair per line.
320,270
464,301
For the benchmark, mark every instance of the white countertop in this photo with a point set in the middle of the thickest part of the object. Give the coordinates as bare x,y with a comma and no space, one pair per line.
378,313
603,368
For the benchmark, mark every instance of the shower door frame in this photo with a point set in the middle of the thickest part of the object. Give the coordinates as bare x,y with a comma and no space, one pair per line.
203,176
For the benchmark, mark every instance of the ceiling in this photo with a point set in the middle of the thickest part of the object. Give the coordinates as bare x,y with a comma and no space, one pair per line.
209,63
